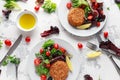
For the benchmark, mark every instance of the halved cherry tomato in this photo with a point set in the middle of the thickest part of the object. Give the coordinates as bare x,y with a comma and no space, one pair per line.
43,77
93,1
28,39
90,17
80,45
56,46
62,50
37,8
105,34
69,5
41,50
37,61
8,42
48,53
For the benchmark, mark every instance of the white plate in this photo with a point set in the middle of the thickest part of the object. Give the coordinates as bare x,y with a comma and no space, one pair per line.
76,62
63,13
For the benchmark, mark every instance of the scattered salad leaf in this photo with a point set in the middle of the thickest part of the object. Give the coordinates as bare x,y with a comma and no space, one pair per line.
12,5
11,59
6,13
49,6
53,30
48,43
1,43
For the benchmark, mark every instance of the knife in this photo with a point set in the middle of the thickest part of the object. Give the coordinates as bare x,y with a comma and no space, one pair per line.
109,54
14,46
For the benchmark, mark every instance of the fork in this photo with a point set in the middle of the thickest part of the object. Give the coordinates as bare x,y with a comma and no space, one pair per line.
94,47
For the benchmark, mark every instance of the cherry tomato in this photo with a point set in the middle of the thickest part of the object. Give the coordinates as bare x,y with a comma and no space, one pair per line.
8,42
56,46
48,65
37,8
80,46
43,77
69,5
93,1
90,17
41,50
48,53
62,50
98,24
37,62
28,39
105,34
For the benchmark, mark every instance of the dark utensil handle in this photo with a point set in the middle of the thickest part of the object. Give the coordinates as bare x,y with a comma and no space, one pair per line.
116,66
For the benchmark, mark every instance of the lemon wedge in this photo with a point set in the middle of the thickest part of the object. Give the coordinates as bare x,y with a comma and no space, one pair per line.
69,63
94,54
84,26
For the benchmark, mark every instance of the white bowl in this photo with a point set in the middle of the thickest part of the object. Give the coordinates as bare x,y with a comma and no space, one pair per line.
26,12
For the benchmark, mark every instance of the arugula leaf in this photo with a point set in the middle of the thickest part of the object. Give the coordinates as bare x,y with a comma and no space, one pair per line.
1,43
11,59
48,43
49,6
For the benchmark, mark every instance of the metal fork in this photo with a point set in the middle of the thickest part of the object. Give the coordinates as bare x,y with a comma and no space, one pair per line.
94,47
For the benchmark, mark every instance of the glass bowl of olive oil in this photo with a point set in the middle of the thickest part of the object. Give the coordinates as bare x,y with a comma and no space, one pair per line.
27,20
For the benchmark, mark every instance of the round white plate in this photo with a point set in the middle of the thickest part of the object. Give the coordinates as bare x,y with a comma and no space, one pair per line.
76,62
63,13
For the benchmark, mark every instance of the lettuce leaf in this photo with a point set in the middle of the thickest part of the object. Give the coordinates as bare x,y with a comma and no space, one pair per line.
49,6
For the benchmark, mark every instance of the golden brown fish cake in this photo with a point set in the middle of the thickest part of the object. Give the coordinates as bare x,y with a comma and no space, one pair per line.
59,70
76,16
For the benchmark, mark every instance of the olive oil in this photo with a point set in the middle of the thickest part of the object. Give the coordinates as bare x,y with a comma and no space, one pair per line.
27,21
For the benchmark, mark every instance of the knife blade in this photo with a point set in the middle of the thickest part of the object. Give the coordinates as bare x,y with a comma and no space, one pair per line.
99,38
14,46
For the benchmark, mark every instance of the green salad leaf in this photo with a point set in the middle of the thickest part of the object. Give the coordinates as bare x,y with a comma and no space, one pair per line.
11,59
48,43
77,3
49,6
41,70
1,43
118,4
12,5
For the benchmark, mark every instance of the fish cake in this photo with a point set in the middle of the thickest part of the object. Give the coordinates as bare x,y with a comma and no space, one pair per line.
76,17
59,70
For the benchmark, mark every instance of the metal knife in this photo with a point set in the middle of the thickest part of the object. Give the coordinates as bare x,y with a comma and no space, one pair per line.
109,54
14,46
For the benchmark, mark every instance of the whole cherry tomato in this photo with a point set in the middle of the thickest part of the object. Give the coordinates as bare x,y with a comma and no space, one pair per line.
69,5
80,45
62,50
43,77
56,46
37,8
105,34
8,42
48,53
41,50
28,39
